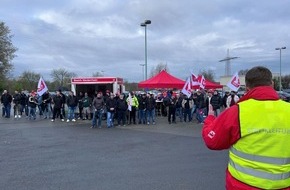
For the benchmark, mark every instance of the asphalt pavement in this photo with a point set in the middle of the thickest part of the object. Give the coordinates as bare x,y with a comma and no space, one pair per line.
40,154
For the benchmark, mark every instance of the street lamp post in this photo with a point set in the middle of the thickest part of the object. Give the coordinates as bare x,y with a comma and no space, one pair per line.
280,84
144,24
142,70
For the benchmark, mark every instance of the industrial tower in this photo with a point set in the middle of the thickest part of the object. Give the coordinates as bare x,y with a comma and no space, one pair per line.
227,65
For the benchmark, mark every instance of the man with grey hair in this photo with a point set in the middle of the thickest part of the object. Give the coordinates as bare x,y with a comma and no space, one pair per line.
6,100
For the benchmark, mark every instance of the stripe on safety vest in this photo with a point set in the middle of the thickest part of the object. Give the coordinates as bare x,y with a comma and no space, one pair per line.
260,174
263,159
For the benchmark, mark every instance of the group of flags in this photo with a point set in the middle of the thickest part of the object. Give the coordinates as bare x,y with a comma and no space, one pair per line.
192,81
199,81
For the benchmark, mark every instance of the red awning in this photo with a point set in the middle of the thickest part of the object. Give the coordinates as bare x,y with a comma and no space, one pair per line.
162,80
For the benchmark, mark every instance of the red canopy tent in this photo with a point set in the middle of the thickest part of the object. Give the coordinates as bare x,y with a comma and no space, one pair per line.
162,80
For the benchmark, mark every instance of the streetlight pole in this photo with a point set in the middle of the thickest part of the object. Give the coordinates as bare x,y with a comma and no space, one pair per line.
144,24
142,70
280,77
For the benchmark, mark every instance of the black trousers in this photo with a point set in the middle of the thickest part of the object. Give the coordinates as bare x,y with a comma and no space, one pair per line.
133,115
171,113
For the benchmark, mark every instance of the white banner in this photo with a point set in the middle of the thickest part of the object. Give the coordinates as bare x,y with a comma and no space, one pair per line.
41,87
194,80
201,81
234,84
187,88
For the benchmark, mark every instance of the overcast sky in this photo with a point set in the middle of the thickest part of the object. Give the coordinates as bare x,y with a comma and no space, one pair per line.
86,36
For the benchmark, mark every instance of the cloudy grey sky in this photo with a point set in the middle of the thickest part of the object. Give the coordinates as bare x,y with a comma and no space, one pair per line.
86,36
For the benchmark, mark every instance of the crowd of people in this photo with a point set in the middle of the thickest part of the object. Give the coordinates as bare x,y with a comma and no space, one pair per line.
116,109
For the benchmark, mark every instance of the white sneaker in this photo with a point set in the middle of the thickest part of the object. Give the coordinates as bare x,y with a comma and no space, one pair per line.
62,119
52,120
15,116
73,120
67,120
19,116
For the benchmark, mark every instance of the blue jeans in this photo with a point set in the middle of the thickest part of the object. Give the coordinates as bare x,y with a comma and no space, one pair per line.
151,115
71,113
110,119
179,113
199,114
142,116
193,110
7,110
97,116
47,110
187,113
32,113
121,117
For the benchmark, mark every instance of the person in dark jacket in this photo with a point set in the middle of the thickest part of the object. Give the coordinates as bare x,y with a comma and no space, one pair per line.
23,103
6,100
71,102
32,104
142,109
122,107
57,106
98,108
80,105
111,105
150,109
187,105
200,106
172,109
215,100
63,96
179,109
46,101
17,106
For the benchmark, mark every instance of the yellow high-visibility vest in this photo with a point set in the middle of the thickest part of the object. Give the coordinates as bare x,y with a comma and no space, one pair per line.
261,157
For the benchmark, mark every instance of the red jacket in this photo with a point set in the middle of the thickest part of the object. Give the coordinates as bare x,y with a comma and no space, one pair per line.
224,131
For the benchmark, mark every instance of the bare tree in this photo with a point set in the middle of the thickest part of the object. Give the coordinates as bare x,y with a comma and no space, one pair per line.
62,77
98,74
158,69
29,80
209,74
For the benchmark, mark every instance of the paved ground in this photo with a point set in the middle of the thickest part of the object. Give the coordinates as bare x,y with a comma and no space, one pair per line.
55,155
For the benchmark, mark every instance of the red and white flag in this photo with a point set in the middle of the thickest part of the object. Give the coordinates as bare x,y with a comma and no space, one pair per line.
201,81
41,87
194,80
234,84
187,88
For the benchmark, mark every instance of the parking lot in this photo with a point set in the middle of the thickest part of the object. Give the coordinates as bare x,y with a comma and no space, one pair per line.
56,155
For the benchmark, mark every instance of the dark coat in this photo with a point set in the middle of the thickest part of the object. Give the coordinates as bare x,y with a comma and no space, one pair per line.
122,105
58,101
71,101
111,105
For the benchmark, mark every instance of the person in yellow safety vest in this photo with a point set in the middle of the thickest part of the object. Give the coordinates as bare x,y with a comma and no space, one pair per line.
133,105
257,133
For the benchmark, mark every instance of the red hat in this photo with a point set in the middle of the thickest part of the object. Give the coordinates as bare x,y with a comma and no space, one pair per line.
33,93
